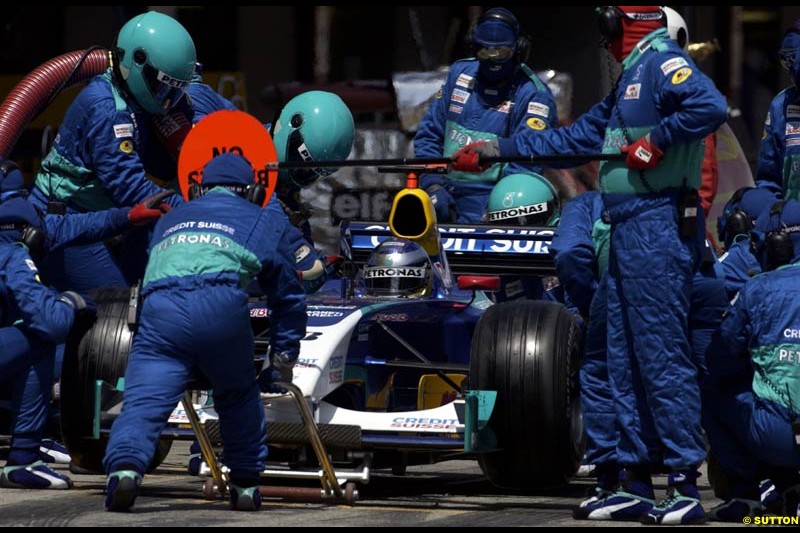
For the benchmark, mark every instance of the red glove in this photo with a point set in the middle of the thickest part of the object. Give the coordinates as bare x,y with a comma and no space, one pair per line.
150,209
468,159
643,154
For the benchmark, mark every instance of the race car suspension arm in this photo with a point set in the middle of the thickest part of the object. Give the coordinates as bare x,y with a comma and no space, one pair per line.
418,355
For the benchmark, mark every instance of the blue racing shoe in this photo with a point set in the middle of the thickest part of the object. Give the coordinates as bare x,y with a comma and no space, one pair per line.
122,488
51,451
245,498
682,504
735,510
627,503
33,476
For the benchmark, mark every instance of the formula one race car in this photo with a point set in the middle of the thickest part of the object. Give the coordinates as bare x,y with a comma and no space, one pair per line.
394,381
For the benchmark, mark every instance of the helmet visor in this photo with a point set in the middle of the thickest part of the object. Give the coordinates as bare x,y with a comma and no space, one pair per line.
297,152
165,90
497,54
401,281
787,57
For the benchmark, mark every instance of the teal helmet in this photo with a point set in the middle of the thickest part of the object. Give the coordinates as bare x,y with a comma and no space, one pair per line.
525,200
313,126
156,60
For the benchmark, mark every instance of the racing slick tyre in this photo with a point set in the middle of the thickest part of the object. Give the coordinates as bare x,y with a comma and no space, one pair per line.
529,352
96,350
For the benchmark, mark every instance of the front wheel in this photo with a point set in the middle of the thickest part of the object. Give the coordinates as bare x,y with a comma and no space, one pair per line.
96,351
529,352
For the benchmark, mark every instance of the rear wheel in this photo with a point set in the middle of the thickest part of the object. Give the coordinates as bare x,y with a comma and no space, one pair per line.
529,352
95,351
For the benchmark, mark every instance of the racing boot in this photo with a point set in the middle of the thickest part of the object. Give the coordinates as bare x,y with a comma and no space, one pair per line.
633,497
770,497
122,488
682,504
51,451
743,502
607,479
25,470
245,495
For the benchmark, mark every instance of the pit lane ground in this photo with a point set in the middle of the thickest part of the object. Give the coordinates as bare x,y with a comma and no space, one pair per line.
449,494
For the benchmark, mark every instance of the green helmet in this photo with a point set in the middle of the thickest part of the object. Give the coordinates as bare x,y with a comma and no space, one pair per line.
525,200
313,126
156,60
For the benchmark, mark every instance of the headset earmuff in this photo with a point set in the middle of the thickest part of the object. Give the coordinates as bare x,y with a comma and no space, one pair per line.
778,246
610,21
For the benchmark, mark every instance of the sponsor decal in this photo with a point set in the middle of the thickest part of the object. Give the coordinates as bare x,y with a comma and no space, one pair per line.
681,76
126,146
769,119
335,376
123,130
464,80
306,363
31,265
490,240
788,356
459,96
259,312
535,108
336,362
505,107
644,154
515,212
393,272
673,64
412,422
792,142
535,123
166,79
790,333
391,317
644,16
792,111
632,91
792,128
324,314
301,253
457,109
514,288
361,204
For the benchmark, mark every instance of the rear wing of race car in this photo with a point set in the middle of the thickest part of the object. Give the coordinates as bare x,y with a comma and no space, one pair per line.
471,249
